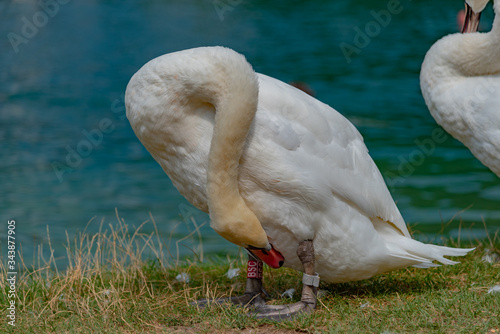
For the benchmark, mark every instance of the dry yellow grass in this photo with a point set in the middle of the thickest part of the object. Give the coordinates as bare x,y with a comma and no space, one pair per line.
123,281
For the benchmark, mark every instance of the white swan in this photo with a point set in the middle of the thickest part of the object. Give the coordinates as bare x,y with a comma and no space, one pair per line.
273,166
460,82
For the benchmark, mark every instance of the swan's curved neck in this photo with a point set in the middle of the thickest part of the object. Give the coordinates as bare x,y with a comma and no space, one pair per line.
481,53
233,118
235,97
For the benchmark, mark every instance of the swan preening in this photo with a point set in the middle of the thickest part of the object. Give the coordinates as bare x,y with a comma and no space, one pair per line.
460,82
280,173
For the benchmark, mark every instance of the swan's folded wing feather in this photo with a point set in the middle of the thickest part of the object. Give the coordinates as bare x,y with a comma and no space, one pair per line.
313,147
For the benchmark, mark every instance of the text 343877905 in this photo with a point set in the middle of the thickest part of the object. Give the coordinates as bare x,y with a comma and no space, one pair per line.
12,272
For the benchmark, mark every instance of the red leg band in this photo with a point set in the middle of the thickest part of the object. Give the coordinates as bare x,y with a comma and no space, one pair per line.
255,269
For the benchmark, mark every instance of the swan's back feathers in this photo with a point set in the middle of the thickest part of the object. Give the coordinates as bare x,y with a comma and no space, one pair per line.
308,135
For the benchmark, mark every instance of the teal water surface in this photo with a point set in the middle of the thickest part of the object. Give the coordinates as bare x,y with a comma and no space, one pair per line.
70,156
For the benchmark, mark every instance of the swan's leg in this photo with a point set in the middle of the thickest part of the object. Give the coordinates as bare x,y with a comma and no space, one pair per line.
305,253
307,303
253,291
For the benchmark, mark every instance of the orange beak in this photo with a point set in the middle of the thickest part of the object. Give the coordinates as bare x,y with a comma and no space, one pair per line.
272,258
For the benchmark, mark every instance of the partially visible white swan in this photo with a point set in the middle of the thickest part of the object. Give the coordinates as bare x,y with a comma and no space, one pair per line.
279,172
460,82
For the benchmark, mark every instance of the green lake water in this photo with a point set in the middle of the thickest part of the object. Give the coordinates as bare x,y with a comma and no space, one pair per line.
64,66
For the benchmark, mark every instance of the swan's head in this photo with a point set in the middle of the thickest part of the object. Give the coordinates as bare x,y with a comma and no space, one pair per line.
473,9
239,225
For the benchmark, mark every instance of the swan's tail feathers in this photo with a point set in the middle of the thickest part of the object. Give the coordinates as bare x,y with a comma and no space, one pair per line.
441,251
421,262
422,255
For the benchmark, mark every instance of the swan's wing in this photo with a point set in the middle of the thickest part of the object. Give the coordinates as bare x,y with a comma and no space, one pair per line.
482,116
469,109
310,152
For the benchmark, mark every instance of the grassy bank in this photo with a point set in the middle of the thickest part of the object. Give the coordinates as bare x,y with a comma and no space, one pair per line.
122,281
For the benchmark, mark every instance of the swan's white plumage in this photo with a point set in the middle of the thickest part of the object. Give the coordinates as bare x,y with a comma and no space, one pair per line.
305,171
460,82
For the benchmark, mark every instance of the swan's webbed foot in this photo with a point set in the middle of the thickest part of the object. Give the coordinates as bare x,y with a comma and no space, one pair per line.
282,312
244,300
307,304
254,291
